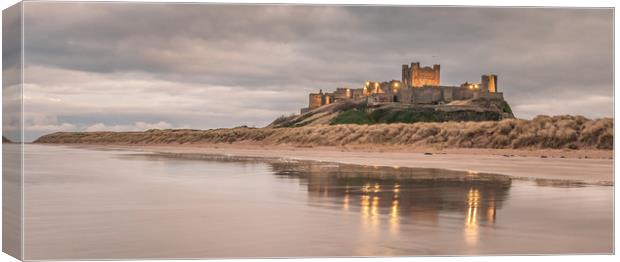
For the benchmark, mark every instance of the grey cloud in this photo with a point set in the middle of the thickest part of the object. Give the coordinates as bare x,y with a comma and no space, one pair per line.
554,53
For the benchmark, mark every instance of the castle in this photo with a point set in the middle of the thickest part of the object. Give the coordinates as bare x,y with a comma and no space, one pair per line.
419,85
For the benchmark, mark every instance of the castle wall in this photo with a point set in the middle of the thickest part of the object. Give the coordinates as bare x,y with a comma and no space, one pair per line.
447,93
489,83
357,93
371,87
406,76
489,95
497,95
425,76
342,94
463,93
378,98
316,100
394,85
419,85
417,76
405,95
426,95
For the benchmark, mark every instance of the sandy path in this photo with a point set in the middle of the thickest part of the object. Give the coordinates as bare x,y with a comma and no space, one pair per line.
590,170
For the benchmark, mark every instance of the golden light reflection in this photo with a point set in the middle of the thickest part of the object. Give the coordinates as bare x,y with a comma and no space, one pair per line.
365,207
374,208
394,217
396,190
374,212
491,212
377,188
370,213
345,202
472,173
471,222
366,188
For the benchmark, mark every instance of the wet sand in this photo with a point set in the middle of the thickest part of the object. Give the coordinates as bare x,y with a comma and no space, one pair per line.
84,204
587,166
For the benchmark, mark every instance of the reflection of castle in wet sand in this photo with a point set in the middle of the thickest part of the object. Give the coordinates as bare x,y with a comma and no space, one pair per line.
369,211
388,198
403,195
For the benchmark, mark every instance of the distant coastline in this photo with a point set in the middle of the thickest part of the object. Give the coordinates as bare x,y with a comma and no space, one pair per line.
6,140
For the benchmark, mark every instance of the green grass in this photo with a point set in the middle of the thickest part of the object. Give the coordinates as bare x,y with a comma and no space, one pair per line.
405,116
352,116
389,116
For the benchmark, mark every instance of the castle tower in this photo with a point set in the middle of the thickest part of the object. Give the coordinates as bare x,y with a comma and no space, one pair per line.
316,100
417,76
489,83
406,76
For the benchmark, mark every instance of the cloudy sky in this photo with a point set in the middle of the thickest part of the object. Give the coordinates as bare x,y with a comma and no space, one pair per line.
120,66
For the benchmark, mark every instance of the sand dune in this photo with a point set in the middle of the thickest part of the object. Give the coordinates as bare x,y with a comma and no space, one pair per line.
558,132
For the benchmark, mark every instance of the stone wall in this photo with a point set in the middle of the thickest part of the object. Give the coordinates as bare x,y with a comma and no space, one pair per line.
427,95
425,76
342,94
379,98
316,100
405,95
462,93
417,76
440,94
497,95
357,93
447,94
489,83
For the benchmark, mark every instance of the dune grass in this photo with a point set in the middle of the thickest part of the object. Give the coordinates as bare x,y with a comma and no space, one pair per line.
559,132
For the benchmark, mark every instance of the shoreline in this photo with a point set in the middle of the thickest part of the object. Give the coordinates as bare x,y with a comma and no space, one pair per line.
586,166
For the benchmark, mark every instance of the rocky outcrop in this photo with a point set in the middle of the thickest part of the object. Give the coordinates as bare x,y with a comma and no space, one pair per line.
359,112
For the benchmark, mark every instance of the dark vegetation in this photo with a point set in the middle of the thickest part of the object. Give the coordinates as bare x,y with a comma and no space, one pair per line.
390,115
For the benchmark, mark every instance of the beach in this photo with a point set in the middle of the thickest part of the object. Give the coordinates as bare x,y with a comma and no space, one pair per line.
106,203
583,166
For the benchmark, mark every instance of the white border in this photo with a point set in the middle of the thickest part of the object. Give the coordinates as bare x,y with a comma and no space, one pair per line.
549,3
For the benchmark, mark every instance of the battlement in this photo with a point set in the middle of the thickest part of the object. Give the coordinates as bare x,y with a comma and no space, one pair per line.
417,76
